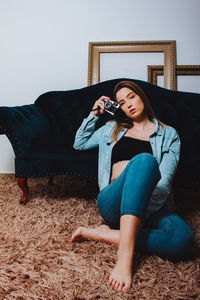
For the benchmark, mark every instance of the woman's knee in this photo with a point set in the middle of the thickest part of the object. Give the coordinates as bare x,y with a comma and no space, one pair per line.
145,160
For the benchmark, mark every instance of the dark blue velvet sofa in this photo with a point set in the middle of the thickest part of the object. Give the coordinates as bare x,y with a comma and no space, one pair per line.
42,134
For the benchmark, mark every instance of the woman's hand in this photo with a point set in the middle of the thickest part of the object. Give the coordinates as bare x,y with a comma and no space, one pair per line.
98,108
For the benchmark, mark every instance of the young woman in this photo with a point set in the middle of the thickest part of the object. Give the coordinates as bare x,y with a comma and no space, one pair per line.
138,157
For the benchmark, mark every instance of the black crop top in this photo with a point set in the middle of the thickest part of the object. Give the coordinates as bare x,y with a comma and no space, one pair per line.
127,147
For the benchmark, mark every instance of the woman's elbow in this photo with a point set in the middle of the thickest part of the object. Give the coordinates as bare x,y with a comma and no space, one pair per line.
76,146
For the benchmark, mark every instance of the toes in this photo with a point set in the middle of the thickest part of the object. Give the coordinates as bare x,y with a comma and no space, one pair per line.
120,287
110,280
73,237
126,288
76,234
116,285
114,282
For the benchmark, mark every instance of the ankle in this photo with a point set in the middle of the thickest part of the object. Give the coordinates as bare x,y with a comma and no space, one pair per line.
125,250
125,255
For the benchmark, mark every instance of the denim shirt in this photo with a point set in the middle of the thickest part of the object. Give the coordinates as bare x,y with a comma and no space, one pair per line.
165,144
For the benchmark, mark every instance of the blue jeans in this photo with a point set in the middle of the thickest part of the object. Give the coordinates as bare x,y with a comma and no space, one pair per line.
165,234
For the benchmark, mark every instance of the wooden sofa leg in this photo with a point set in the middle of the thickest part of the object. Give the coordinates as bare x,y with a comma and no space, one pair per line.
22,183
51,180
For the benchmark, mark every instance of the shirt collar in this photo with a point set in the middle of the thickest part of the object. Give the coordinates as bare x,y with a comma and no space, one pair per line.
158,129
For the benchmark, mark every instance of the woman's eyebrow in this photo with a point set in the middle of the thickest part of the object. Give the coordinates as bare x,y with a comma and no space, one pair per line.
126,96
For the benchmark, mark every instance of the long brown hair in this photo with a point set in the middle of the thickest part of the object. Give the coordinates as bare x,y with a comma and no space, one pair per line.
122,121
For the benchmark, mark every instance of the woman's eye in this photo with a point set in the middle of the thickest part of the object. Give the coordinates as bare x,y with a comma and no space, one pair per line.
121,103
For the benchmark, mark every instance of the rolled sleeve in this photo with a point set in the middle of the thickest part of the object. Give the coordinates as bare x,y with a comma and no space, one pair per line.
86,136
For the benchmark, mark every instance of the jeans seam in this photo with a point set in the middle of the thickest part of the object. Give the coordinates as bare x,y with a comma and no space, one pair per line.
131,212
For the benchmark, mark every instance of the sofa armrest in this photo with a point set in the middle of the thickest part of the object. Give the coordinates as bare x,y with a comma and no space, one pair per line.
21,124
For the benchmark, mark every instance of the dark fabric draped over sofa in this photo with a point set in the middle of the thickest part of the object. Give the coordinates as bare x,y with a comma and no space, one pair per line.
42,134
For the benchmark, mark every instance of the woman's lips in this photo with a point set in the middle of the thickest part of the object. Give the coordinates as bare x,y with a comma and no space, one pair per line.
132,111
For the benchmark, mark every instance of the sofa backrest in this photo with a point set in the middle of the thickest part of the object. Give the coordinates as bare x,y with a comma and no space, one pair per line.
180,110
51,123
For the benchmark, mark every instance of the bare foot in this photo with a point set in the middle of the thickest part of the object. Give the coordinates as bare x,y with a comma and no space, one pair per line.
121,276
84,233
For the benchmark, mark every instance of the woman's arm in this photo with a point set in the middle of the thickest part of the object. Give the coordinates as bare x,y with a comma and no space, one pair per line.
167,169
86,136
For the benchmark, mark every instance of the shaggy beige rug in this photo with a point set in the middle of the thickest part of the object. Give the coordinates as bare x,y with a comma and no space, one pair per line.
38,260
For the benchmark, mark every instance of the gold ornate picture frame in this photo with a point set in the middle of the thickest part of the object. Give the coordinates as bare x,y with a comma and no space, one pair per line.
180,70
166,47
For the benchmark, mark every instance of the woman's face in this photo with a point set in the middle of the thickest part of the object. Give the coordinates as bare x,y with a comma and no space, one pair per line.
130,103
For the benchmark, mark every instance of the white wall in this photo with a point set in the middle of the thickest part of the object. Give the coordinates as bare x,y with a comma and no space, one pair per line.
44,43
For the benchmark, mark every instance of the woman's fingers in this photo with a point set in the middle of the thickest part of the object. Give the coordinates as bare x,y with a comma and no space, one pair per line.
98,107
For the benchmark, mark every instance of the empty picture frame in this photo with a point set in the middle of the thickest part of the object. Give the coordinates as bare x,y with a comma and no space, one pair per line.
166,47
184,70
